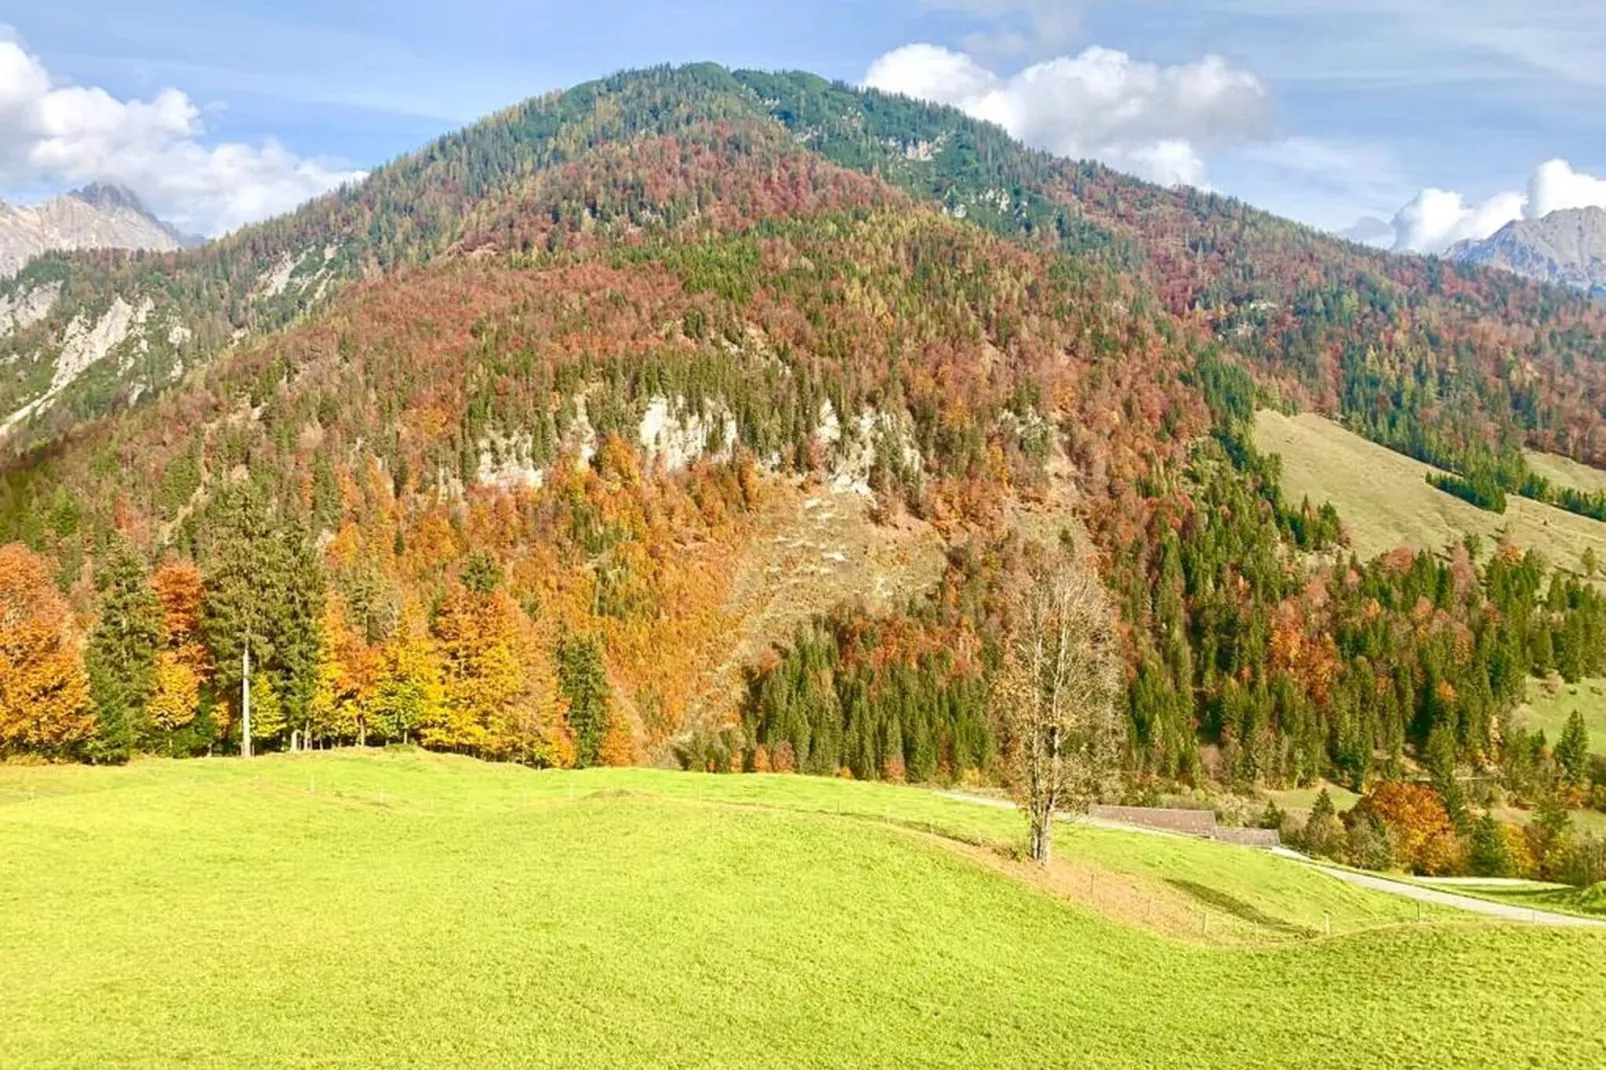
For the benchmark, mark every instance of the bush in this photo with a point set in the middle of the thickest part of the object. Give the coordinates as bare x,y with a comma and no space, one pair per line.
1585,863
710,752
1444,855
1369,844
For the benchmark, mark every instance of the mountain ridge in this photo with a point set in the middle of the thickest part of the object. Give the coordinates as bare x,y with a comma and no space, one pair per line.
1566,247
641,383
96,216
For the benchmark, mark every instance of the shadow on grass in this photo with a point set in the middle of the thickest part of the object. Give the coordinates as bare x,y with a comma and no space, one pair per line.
1228,904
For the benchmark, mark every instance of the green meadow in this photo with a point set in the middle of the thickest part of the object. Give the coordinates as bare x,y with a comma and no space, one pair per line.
1551,702
404,909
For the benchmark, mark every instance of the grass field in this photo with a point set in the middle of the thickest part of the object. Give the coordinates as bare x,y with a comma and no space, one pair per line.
1566,472
1302,799
1559,898
1385,501
1551,702
402,909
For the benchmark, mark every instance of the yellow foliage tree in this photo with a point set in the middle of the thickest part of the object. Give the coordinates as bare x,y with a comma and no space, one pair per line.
44,692
175,690
409,694
267,714
498,685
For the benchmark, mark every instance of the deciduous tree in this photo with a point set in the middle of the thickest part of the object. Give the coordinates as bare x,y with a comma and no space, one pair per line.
1054,699
45,705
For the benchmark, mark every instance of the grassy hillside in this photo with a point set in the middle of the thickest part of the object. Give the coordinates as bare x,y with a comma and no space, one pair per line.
1560,898
1551,702
1566,472
405,909
1386,501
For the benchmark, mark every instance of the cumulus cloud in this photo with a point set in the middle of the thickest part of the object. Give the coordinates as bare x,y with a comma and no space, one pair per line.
1157,122
53,134
1436,219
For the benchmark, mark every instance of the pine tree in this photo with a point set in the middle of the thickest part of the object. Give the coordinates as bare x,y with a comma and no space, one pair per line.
298,630
1441,763
1489,856
265,586
1572,750
243,585
1324,832
121,658
583,681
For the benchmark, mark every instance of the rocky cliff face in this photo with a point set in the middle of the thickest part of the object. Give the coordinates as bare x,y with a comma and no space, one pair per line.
95,217
1567,247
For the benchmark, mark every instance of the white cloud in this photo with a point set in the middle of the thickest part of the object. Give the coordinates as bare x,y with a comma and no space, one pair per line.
53,134
1157,122
1436,219
1555,186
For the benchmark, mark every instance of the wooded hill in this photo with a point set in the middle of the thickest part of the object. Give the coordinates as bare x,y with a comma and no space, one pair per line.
487,482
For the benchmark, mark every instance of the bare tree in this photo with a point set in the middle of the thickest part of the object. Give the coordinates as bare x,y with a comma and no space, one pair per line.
1054,700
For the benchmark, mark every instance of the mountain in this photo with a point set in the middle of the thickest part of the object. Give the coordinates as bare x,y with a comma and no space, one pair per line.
704,414
1566,247
1370,230
99,216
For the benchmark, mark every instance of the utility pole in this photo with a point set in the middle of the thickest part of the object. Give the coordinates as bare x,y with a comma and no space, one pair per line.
245,702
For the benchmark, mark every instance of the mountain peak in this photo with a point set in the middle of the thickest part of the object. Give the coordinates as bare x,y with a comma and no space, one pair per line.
111,195
101,215
1566,246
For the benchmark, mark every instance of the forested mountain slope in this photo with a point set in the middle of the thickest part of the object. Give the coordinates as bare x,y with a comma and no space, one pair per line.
484,469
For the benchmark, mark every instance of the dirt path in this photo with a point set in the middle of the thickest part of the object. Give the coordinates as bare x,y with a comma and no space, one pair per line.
1472,904
1506,911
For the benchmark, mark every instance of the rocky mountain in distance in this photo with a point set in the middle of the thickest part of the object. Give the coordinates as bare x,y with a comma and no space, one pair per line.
99,216
1567,247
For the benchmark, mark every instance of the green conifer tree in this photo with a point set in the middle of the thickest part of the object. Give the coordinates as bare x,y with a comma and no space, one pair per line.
122,653
583,679
1572,750
1488,855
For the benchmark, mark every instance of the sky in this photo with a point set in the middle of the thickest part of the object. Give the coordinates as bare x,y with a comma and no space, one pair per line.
1432,121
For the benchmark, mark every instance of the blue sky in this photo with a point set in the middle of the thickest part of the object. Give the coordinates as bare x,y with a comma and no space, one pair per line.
1324,110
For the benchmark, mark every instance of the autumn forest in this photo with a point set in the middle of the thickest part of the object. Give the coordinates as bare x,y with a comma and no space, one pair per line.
493,494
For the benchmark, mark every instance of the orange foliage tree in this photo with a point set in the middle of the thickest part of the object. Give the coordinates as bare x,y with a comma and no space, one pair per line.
45,705
182,664
1416,819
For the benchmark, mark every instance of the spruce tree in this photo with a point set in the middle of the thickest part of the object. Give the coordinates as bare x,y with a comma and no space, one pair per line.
244,577
121,656
298,630
1441,763
265,586
1488,856
1572,750
583,680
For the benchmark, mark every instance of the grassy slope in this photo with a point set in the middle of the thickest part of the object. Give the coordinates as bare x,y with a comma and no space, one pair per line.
1385,500
1567,472
413,910
1560,898
1551,702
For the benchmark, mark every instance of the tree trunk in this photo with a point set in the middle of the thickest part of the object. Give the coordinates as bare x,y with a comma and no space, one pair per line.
1042,837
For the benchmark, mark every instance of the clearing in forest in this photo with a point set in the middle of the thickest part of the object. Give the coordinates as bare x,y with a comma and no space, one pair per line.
1385,501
